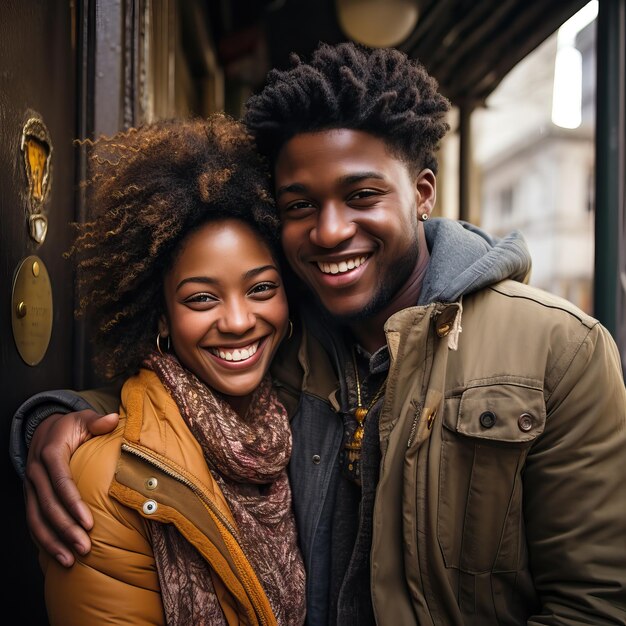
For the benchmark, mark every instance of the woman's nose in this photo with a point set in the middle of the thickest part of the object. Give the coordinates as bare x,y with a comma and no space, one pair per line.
334,226
237,318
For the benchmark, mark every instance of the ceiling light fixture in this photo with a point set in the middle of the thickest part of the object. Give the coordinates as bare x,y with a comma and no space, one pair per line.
377,23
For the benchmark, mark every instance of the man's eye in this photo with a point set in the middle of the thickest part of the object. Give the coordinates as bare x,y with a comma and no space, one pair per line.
363,194
298,206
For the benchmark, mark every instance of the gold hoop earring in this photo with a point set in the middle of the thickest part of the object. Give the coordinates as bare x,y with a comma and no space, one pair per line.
290,335
158,344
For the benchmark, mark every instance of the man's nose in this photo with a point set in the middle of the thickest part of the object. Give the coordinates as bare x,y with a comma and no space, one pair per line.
334,226
237,317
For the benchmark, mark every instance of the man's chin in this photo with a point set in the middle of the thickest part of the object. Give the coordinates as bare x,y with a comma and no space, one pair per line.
348,313
353,315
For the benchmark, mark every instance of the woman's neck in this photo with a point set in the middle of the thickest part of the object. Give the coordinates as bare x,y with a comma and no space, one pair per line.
239,404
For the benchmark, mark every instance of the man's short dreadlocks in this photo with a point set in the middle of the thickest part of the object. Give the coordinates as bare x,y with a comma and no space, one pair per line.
379,91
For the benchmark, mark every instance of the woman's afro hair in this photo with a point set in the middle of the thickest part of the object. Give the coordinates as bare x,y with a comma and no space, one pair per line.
148,189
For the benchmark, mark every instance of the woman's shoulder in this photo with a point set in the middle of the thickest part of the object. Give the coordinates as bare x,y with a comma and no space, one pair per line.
93,468
93,465
144,393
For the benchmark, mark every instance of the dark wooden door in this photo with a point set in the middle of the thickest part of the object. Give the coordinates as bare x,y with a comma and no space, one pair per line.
37,81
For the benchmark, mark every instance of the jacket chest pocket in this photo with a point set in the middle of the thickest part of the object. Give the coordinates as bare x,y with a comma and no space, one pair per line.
486,435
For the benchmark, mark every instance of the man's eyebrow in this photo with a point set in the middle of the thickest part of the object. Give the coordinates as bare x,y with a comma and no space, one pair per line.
348,179
293,188
357,177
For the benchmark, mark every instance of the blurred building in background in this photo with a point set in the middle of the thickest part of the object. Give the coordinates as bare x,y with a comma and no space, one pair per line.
535,158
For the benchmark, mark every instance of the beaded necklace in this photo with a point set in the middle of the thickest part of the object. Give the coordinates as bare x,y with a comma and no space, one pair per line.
353,445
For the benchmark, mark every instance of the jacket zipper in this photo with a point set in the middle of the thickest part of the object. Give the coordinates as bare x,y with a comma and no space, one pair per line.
164,468
416,419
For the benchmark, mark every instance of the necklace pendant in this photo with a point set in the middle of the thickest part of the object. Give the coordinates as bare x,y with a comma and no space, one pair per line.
354,445
359,413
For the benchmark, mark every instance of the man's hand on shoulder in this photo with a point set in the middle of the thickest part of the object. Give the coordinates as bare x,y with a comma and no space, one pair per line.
56,515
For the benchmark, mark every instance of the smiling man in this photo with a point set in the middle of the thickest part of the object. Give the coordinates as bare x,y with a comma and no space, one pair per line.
349,213
459,436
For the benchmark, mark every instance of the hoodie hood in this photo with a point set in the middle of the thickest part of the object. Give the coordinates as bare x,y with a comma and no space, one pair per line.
464,258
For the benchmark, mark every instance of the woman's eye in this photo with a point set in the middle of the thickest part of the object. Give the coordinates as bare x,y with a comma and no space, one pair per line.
263,289
200,298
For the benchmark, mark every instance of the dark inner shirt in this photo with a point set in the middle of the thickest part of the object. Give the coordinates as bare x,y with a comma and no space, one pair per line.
350,596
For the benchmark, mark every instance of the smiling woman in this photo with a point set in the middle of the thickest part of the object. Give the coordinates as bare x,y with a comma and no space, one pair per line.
193,521
225,321
150,189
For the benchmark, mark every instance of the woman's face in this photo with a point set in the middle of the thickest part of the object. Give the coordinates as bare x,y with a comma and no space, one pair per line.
226,307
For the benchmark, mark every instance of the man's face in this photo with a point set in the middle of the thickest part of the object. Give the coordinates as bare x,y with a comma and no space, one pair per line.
349,212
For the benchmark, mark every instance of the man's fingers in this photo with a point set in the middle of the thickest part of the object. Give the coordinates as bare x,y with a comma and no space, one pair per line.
103,424
52,480
46,537
56,514
68,520
64,502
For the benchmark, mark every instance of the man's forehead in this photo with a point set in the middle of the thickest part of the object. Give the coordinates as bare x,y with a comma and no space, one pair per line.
345,145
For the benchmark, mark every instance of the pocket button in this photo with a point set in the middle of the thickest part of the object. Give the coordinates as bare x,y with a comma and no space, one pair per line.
525,422
487,419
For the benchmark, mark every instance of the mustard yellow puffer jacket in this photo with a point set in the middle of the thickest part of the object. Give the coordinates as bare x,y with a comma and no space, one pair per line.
150,467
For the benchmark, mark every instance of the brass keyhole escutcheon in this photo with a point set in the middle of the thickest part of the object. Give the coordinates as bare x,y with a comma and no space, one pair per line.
36,147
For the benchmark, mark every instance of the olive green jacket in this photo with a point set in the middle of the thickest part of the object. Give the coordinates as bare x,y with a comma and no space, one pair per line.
502,488
502,491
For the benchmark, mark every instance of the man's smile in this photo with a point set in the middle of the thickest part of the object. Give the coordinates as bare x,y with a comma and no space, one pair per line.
342,266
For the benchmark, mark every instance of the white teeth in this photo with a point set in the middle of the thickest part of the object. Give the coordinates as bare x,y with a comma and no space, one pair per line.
239,354
343,266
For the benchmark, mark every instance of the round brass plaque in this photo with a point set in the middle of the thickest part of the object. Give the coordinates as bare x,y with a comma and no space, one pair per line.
31,310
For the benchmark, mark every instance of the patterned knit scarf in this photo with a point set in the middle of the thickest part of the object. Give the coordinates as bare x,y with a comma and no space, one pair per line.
248,459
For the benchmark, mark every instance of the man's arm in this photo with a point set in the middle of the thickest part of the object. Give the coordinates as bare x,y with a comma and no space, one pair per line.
575,492
30,414
45,432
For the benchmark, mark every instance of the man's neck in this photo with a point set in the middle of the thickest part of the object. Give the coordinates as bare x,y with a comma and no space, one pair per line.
370,333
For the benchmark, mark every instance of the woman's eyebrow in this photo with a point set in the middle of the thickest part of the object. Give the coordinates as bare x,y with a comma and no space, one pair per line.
259,270
207,280
197,279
